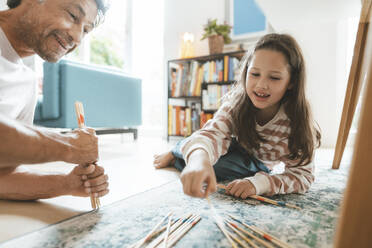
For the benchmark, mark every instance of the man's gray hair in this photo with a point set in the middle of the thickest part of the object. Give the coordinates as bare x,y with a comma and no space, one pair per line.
102,7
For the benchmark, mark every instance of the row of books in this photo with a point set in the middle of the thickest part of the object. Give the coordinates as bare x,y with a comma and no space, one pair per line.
186,78
221,70
211,97
184,120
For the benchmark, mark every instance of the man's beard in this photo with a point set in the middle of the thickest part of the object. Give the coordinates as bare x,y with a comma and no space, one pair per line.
36,41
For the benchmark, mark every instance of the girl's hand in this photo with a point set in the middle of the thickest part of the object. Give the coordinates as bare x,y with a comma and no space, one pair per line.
241,188
88,180
197,173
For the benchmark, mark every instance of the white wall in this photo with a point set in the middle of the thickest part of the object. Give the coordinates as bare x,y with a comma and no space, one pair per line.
3,5
325,79
186,16
189,16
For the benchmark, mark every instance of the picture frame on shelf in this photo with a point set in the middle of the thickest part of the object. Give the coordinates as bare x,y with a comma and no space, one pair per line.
247,19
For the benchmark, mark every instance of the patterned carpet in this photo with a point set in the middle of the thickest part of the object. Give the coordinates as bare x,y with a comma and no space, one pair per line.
125,222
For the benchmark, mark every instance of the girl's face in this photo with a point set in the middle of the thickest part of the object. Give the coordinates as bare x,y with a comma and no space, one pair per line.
267,80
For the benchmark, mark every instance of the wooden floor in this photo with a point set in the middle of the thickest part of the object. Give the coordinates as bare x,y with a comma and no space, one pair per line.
129,166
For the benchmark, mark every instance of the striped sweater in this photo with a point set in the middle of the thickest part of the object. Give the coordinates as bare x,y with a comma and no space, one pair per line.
215,138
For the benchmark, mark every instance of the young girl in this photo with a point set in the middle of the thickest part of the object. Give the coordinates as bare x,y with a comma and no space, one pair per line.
264,120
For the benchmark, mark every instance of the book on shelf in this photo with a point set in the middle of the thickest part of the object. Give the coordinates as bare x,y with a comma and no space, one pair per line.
170,120
204,117
199,83
212,96
183,120
186,78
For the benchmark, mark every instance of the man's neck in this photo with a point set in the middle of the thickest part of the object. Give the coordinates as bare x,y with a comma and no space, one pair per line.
8,25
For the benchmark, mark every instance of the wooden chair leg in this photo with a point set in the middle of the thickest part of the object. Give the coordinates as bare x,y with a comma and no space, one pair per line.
355,224
343,130
354,85
351,100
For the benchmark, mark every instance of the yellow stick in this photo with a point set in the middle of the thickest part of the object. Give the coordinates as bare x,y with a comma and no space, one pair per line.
167,231
220,224
240,242
174,228
263,242
150,234
81,123
190,224
265,235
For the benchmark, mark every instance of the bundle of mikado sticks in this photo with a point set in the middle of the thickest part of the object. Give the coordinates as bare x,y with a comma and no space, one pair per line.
255,237
79,109
252,237
168,234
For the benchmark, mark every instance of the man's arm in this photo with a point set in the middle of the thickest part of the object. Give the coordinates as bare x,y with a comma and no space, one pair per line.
21,183
22,144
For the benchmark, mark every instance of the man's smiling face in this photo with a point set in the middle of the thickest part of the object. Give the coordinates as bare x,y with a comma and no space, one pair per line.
56,27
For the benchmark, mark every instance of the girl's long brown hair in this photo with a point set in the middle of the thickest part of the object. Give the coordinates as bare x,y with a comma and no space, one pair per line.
305,134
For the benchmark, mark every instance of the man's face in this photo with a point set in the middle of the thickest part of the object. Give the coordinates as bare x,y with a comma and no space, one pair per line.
56,27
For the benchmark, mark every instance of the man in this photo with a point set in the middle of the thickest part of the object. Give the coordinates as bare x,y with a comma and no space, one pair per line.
51,29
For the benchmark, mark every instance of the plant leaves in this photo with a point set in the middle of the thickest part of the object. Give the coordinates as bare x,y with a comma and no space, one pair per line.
212,28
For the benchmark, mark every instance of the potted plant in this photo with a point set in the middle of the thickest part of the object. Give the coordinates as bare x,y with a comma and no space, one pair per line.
217,34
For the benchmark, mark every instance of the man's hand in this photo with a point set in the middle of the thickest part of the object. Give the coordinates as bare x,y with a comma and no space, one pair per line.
197,173
241,188
83,146
87,180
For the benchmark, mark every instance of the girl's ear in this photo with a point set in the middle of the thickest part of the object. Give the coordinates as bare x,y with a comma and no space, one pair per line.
290,86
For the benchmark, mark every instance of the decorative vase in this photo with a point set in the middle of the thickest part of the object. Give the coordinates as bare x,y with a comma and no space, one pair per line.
216,43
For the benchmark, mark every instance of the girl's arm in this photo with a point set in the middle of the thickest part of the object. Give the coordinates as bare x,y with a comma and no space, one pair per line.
294,179
197,174
214,138
202,150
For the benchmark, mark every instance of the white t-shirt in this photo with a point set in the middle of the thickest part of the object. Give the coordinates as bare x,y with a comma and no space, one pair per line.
18,84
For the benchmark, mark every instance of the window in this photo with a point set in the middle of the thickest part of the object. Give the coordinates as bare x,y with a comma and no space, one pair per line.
148,61
106,45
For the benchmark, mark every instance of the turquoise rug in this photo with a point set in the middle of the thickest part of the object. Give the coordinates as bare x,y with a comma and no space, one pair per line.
125,222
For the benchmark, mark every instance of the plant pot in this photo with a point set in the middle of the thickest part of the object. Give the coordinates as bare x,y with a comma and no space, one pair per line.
216,43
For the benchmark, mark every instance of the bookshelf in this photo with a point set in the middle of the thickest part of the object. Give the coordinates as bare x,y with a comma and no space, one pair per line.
195,86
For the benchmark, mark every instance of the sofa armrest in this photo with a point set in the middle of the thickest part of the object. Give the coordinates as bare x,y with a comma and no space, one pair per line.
50,109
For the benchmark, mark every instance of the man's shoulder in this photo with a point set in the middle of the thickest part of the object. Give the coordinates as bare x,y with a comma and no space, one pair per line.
15,72
10,66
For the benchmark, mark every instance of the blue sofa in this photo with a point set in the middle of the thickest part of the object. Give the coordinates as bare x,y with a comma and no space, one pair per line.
112,100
